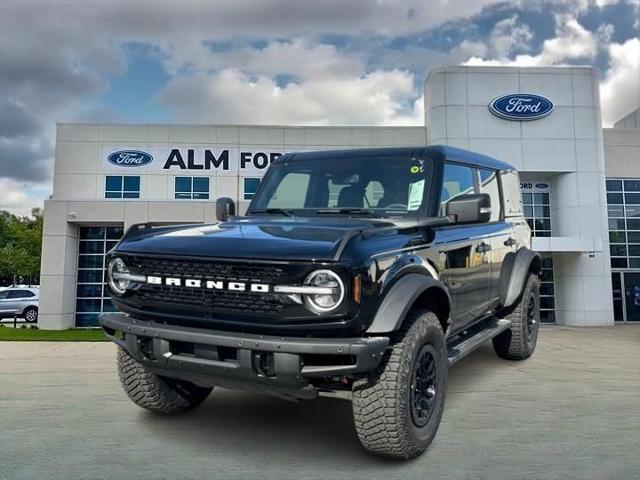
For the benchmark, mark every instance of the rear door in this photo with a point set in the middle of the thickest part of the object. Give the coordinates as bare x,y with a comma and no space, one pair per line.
499,232
466,250
8,301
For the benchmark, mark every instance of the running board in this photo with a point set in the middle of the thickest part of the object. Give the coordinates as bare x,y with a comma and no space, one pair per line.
468,341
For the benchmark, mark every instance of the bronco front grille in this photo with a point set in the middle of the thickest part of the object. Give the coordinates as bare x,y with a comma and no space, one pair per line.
204,302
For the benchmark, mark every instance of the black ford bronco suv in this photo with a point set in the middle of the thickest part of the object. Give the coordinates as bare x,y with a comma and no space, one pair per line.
364,271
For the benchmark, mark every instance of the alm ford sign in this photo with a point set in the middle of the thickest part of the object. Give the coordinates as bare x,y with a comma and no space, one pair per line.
130,158
521,106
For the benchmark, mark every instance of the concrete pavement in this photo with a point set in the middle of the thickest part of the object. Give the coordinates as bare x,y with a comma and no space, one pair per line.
571,412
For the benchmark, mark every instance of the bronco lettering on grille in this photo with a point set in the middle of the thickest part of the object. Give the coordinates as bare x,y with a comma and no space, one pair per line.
209,284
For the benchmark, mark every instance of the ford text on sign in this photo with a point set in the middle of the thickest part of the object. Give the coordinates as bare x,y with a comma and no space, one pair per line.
521,106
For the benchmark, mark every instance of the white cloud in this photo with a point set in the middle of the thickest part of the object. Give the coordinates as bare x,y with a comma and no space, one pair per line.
20,197
232,96
620,90
508,36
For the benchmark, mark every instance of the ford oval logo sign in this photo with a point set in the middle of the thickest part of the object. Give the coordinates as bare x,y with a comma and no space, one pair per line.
130,158
521,106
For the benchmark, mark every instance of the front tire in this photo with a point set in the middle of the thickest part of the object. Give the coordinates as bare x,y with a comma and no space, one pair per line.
30,314
155,393
519,342
397,410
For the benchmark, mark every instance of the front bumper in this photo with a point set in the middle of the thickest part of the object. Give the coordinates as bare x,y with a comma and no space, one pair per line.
278,365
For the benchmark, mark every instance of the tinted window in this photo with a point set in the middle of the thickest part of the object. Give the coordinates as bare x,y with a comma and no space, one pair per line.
489,184
457,180
250,187
20,294
3,294
511,193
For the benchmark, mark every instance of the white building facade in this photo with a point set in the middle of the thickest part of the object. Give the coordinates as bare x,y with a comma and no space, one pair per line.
579,185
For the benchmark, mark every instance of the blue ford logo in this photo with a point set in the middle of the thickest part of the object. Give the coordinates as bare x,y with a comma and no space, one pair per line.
130,158
521,106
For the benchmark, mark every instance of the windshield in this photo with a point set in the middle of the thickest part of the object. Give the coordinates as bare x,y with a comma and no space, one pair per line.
376,186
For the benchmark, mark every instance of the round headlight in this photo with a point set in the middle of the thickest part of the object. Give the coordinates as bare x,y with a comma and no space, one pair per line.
115,269
332,294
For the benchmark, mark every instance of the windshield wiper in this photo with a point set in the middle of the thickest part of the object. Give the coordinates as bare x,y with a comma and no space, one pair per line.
356,211
281,211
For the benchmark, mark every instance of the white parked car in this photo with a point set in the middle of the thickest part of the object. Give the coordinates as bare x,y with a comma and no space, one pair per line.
20,301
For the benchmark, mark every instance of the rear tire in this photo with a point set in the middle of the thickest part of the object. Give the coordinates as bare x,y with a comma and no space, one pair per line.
155,393
397,410
30,314
519,342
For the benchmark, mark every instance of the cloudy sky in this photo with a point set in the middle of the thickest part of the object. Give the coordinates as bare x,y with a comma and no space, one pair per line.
343,62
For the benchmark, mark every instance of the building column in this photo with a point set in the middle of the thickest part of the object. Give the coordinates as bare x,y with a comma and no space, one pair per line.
582,279
58,269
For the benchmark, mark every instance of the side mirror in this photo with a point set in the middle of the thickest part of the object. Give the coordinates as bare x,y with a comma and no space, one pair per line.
225,208
473,208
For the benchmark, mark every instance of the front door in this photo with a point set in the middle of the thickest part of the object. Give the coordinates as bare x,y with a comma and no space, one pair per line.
632,296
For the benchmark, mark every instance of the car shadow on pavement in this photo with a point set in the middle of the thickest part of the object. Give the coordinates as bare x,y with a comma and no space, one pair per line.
263,426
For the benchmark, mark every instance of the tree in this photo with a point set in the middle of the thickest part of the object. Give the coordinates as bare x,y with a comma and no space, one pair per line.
20,245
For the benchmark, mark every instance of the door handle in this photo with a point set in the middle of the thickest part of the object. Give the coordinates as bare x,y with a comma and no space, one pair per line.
483,248
509,242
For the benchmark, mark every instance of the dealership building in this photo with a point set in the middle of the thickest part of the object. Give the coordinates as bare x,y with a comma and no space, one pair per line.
580,184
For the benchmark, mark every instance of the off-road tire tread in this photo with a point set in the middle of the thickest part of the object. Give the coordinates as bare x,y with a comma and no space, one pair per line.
385,391
155,393
511,344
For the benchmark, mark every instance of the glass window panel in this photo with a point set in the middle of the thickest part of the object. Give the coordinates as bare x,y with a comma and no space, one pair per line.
528,211
200,196
541,233
633,224
634,263
88,305
634,250
618,313
131,184
632,198
633,211
530,223
92,246
115,233
89,290
614,185
634,237
546,303
110,245
183,184
632,185
546,276
618,263
548,316
527,198
131,195
547,262
614,212
541,211
86,320
616,224
541,198
617,237
113,183
201,184
108,306
90,261
614,198
541,224
113,195
546,289
618,250
92,233
183,196
458,180
250,187
291,192
89,276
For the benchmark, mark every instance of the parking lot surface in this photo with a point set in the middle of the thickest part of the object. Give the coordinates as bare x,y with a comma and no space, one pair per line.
571,412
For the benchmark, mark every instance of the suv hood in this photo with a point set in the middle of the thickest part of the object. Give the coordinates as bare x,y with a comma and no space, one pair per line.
272,238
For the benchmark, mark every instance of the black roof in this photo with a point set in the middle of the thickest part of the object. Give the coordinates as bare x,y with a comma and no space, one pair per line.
437,151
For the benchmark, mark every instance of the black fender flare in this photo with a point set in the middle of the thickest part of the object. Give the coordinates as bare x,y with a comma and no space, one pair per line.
400,298
513,275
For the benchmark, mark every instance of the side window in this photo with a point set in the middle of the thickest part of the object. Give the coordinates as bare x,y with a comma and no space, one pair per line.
20,294
291,192
457,180
4,294
511,191
488,182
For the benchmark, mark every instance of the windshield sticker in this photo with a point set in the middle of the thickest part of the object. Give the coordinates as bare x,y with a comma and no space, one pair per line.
415,195
417,168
